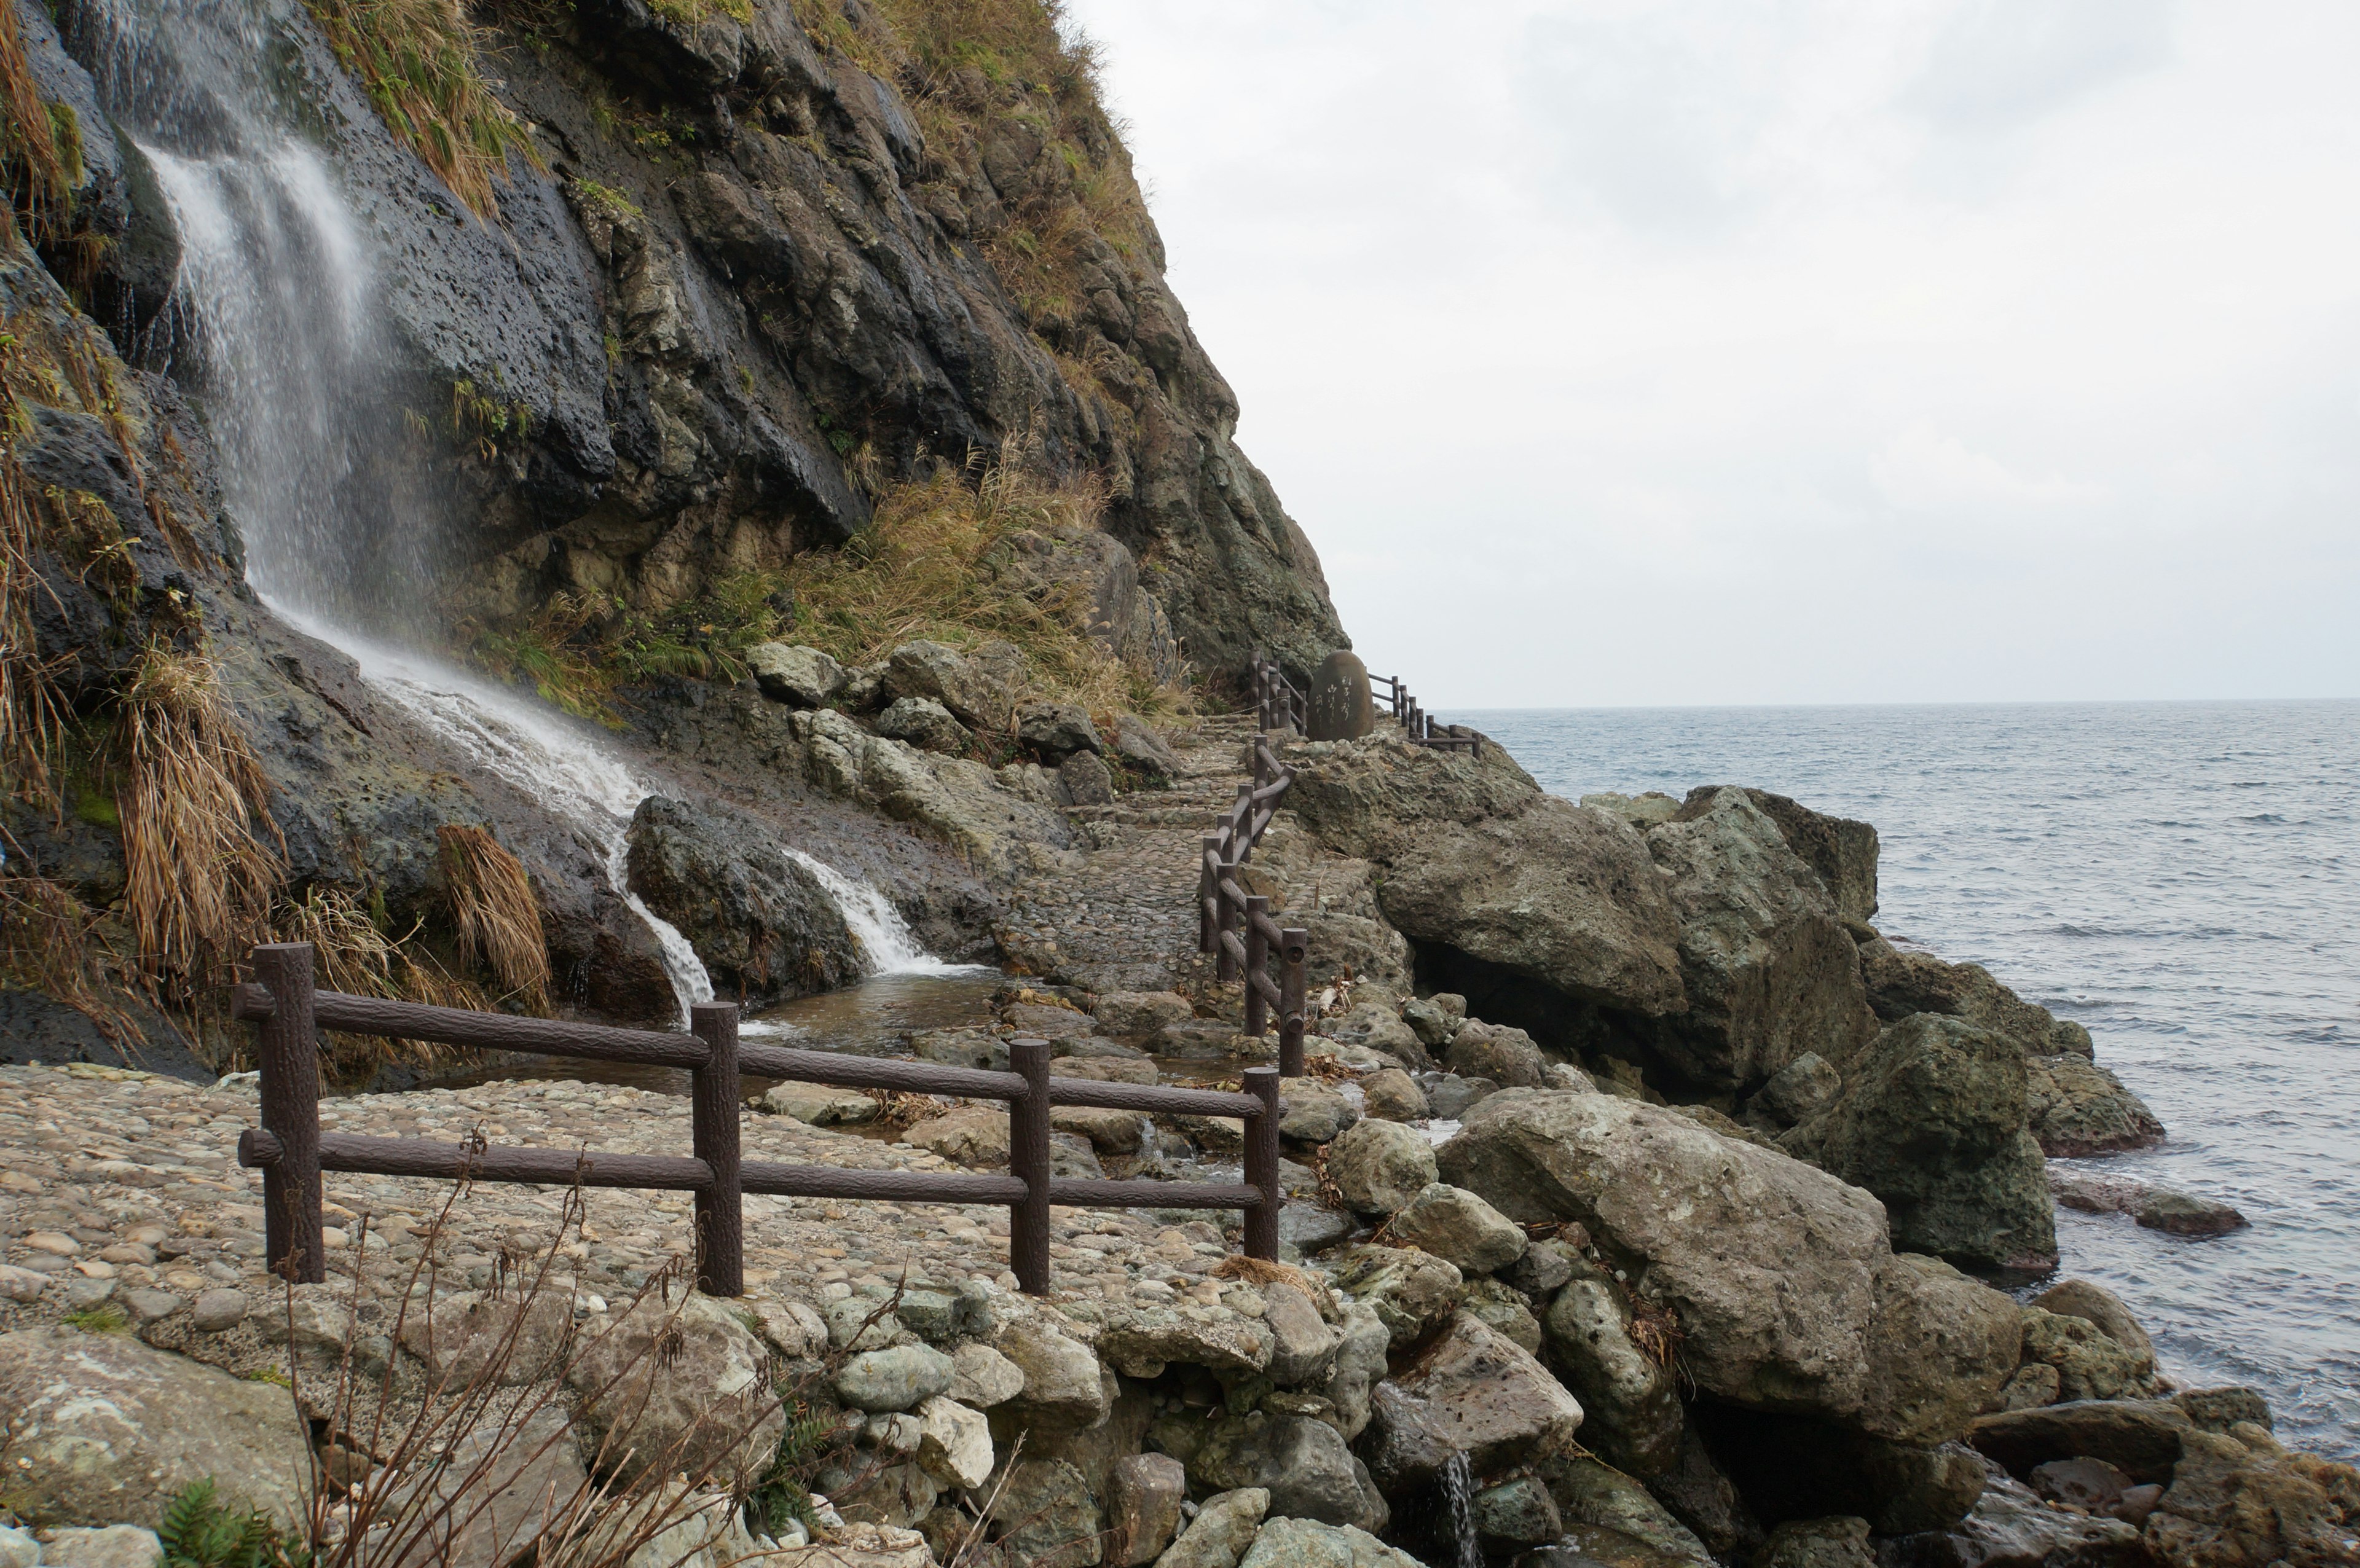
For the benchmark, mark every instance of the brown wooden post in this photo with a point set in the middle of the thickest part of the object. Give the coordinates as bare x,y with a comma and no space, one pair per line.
1261,1164
1209,895
1241,849
1257,963
1294,993
714,1111
287,1049
1028,1161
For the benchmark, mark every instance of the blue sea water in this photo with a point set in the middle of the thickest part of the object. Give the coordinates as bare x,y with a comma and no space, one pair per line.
2181,877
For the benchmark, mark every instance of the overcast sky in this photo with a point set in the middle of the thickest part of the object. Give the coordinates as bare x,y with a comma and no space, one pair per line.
1714,351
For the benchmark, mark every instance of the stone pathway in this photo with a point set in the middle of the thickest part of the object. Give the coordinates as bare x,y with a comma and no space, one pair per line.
1125,918
121,1205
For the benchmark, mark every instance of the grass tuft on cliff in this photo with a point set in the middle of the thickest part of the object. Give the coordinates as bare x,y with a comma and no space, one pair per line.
496,911
422,62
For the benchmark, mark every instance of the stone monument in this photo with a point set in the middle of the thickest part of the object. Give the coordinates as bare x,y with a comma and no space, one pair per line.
1342,707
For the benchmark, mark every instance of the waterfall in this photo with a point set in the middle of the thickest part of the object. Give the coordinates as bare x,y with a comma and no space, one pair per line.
1458,1493
887,944
277,304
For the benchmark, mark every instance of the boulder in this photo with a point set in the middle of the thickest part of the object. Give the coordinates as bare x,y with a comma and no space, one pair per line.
1480,861
953,1443
1306,1543
2251,1503
1765,961
925,723
1062,1390
1136,1017
1592,1497
762,922
1054,731
1836,1543
898,1378
2142,1438
2177,1214
2076,1108
1779,1276
1409,1291
1315,1114
2218,1409
1087,780
1303,1463
2090,1364
1303,1347
1139,746
683,1388
820,1105
471,1338
855,1545
1506,1056
1472,1391
1504,1308
972,1136
2010,1525
1222,1531
1801,1089
502,1488
1140,1339
1393,1096
803,676
1363,1353
1459,1227
1436,1019
117,1546
982,1378
1049,1515
1840,849
1515,1514
1379,1166
1931,1120
1631,1400
1144,1492
101,1430
972,692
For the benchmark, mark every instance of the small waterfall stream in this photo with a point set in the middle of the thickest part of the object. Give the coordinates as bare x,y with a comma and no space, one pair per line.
278,305
1459,1494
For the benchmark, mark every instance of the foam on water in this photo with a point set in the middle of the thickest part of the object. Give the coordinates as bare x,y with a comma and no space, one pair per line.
2183,879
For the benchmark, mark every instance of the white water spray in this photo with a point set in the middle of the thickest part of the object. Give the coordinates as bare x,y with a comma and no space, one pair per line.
888,946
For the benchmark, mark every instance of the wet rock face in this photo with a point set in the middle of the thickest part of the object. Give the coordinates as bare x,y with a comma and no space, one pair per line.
760,920
1472,1391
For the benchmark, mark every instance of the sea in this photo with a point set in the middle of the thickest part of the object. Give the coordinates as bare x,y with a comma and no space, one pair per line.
2181,877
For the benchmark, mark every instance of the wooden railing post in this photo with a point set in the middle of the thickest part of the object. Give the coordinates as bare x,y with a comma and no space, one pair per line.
287,1051
714,1111
1241,842
1028,1161
1293,991
1209,895
1261,1164
1257,964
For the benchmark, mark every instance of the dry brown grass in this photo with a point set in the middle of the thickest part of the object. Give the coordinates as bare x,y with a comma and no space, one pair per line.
35,165
51,943
420,60
1262,1272
190,798
497,913
929,568
357,958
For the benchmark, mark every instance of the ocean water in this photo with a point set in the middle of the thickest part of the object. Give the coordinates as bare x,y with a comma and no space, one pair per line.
2183,879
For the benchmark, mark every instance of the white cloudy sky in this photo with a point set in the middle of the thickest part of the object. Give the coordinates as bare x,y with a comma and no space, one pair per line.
1753,351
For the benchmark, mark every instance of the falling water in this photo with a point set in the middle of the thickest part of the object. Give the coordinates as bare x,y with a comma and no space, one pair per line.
1459,1492
275,305
887,944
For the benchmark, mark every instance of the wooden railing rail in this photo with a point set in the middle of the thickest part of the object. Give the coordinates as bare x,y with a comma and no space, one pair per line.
1281,705
287,1010
1418,724
1235,926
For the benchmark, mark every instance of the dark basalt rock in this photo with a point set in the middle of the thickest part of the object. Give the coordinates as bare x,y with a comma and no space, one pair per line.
762,922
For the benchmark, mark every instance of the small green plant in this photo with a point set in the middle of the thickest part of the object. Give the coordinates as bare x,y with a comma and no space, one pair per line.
784,1493
200,1530
104,1318
478,416
605,199
269,1375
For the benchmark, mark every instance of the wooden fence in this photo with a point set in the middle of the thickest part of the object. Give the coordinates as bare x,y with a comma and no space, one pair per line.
1419,724
1236,926
292,1152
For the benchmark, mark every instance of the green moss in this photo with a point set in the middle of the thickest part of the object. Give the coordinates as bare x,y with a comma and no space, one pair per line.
104,1318
606,200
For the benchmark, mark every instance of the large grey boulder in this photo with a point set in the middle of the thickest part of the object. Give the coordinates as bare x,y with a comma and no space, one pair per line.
2090,1363
1050,1515
1477,859
501,1488
764,925
1593,1497
2011,1524
925,723
1056,730
102,1429
1303,1463
1062,1390
1841,851
1506,1056
1782,1278
1221,1533
1632,1400
1306,1543
1472,1391
789,672
1768,969
1460,1228
971,689
2142,1438
2076,1108
1139,1339
1408,1291
1931,1120
1379,1166
684,1387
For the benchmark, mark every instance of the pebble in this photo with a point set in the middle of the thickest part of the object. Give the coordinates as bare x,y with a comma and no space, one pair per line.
218,1310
